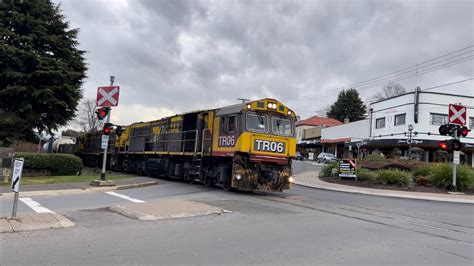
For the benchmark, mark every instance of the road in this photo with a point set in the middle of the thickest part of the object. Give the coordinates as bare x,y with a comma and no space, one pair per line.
299,226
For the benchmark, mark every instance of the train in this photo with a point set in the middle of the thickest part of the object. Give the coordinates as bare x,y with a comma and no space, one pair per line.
247,146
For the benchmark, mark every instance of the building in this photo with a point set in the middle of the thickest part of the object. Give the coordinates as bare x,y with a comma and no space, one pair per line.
412,120
404,126
308,133
342,140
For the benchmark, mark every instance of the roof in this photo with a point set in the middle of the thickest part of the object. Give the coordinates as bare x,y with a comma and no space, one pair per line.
319,121
343,140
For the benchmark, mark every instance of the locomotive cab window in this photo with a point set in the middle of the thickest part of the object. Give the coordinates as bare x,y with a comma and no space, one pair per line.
257,122
231,124
281,126
222,125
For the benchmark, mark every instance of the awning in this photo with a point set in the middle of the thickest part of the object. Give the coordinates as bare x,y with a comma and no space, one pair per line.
343,140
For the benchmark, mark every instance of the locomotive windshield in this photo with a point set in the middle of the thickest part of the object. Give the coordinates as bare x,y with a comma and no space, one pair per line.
257,122
281,126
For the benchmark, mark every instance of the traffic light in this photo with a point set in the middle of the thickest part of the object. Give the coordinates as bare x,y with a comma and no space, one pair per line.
102,112
118,131
443,145
107,128
464,131
455,144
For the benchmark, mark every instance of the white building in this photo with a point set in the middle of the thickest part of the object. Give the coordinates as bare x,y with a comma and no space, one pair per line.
387,128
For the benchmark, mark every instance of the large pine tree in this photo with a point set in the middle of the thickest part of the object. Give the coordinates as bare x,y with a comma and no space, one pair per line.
348,105
41,69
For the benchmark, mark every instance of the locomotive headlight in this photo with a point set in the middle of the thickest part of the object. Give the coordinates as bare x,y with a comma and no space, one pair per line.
289,112
238,177
274,106
291,179
270,105
249,106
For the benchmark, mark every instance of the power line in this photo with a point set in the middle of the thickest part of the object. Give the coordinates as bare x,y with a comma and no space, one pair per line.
447,84
400,72
384,82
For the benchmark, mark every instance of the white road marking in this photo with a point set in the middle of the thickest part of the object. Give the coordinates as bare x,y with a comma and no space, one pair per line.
35,206
124,197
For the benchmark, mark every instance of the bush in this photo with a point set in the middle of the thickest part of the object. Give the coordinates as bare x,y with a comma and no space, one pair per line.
375,158
58,164
366,175
422,180
442,176
393,177
329,170
422,171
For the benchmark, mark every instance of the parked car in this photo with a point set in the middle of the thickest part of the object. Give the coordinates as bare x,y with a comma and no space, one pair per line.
325,157
299,156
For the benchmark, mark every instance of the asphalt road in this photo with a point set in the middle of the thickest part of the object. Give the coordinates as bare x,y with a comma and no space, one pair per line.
299,226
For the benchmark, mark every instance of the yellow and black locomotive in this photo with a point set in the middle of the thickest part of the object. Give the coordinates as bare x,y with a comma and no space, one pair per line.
247,146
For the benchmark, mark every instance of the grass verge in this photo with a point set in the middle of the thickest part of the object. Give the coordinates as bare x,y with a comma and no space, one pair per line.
63,179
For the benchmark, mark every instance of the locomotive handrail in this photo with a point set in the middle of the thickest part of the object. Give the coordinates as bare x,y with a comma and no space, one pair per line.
204,139
156,139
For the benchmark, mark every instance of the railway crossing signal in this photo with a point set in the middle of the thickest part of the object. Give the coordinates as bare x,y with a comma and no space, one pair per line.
102,112
457,114
107,128
443,145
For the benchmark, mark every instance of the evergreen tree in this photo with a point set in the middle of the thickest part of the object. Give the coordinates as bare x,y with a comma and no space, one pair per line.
41,69
348,105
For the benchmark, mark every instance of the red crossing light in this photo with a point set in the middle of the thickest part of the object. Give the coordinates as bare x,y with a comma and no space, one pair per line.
107,128
443,145
456,144
464,131
102,112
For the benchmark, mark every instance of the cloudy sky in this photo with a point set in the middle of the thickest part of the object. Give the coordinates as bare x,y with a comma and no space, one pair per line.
172,56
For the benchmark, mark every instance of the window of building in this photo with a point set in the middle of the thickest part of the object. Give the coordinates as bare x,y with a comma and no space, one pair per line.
380,122
471,122
439,119
231,124
400,119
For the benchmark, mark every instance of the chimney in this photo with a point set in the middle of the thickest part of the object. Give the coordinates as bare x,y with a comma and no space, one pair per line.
346,120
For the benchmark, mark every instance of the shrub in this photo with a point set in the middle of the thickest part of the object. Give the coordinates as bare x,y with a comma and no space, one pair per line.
331,169
421,180
393,177
366,175
422,171
59,164
375,158
442,174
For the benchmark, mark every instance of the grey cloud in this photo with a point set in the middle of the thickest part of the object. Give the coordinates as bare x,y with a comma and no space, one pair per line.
190,54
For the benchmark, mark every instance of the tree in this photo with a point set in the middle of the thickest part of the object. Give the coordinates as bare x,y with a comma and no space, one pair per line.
348,105
87,118
41,69
390,90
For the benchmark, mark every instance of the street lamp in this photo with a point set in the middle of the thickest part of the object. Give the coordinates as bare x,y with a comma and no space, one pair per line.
410,129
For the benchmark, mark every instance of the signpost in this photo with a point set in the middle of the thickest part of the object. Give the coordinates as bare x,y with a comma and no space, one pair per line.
457,115
16,177
107,96
347,168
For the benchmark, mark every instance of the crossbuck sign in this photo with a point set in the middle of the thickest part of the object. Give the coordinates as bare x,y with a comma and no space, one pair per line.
108,96
457,114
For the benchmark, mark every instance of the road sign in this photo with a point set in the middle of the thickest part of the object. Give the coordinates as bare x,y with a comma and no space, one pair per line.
108,96
105,141
347,168
457,114
456,155
17,170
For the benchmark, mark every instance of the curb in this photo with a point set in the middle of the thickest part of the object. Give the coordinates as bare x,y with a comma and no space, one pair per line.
78,191
385,193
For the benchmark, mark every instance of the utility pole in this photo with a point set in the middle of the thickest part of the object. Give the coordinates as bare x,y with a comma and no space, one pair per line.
453,186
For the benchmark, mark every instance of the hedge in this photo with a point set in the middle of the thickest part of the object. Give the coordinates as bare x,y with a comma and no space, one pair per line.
58,164
442,176
393,177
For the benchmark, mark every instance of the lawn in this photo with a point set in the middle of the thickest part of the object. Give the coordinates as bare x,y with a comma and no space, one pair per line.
88,174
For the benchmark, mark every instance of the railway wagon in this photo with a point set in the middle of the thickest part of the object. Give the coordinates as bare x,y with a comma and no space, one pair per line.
247,146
